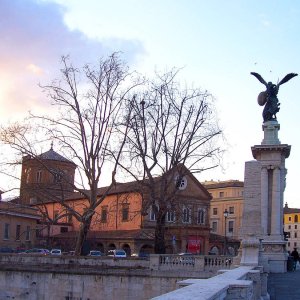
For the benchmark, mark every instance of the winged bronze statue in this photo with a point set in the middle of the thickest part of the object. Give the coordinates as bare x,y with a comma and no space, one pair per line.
269,96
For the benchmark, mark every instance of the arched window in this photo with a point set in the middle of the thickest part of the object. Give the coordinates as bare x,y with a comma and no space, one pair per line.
152,214
28,173
186,215
201,216
170,217
296,218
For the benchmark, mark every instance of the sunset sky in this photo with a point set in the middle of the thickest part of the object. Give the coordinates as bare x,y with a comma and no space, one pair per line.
217,43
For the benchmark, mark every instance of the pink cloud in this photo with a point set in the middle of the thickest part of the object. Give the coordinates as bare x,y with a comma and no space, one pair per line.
33,38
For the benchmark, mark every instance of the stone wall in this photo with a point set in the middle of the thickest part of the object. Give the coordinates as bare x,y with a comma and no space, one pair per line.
47,286
82,278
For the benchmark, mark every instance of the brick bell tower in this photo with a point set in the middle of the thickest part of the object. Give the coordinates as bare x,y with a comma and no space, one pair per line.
46,177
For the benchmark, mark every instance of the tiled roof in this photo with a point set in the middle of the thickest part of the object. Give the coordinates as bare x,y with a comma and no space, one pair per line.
52,155
290,210
222,184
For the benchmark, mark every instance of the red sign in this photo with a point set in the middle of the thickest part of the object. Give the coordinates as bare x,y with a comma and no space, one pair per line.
194,244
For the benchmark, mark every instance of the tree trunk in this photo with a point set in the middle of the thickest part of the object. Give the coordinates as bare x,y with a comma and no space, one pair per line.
82,235
159,238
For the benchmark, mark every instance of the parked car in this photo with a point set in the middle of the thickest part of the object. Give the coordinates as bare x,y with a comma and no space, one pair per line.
95,253
55,252
6,250
38,251
117,253
20,250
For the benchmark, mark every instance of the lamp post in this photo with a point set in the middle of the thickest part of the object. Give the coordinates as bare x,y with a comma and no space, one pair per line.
225,213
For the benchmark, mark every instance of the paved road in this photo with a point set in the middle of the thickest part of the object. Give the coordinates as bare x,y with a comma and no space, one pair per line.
284,286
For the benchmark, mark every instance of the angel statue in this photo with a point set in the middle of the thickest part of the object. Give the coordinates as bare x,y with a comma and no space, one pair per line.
269,97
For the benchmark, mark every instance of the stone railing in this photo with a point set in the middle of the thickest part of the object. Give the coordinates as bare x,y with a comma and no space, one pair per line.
243,283
202,263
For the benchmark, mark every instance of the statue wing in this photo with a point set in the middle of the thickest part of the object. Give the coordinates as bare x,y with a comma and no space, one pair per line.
286,78
259,78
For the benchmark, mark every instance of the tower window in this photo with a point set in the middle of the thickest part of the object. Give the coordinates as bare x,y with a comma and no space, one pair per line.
104,214
125,212
39,176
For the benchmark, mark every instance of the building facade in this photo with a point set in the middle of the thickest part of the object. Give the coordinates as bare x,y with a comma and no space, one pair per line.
45,177
18,224
226,196
291,217
121,220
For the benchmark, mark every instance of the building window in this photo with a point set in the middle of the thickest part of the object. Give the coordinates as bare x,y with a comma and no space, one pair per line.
231,210
63,229
125,212
39,176
201,216
296,226
104,214
290,218
152,215
295,244
18,232
170,217
289,244
296,218
230,226
27,172
295,234
27,233
181,184
186,215
215,211
290,226
6,231
221,194
57,177
214,226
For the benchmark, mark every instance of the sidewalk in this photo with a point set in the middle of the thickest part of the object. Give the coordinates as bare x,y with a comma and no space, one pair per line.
285,286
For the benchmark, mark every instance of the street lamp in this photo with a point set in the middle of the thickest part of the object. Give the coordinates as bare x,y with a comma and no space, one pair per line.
225,213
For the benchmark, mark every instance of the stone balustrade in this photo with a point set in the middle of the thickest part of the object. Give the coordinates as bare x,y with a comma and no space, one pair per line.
209,264
243,283
203,263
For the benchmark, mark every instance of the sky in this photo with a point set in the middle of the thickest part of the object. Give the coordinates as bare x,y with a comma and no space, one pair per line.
216,43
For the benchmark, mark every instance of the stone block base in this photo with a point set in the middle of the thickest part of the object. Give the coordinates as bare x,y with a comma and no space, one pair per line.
274,256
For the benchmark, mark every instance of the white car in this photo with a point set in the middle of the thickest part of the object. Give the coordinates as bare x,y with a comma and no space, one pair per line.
95,253
117,253
55,252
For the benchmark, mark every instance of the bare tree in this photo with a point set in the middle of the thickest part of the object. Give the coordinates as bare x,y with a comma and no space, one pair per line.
88,103
173,131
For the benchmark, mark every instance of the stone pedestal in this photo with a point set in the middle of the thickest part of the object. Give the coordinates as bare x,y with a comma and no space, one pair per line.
250,251
264,185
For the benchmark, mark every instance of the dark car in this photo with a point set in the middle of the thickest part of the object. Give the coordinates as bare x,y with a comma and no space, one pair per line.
38,251
144,255
6,250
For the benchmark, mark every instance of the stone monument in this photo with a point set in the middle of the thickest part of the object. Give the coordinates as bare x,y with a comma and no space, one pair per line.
264,183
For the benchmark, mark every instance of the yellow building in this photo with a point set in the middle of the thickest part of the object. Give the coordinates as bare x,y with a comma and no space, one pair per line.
291,218
227,196
18,225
